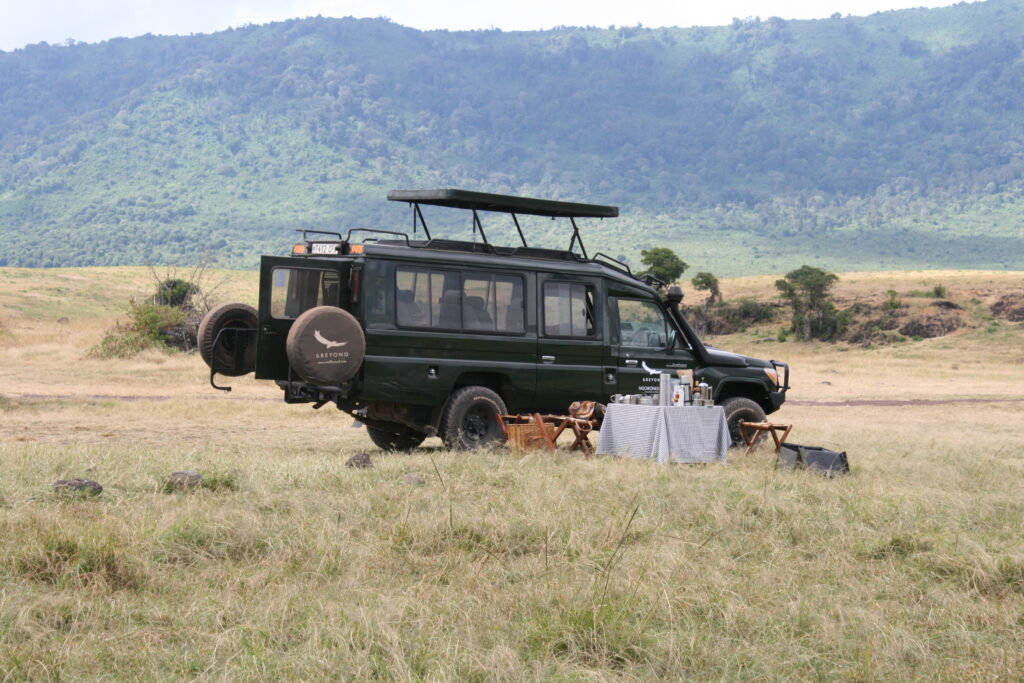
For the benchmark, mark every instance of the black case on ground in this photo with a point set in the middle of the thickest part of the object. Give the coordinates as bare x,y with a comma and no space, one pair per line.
815,458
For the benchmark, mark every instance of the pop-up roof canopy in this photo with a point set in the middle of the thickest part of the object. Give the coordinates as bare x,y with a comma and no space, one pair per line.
483,201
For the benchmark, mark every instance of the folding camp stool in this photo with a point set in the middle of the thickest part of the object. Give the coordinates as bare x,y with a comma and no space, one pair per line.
753,431
581,429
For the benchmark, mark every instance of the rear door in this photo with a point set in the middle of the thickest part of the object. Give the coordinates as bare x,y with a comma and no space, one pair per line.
570,344
288,288
641,334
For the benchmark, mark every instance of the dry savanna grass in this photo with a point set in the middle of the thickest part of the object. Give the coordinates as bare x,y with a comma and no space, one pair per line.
290,565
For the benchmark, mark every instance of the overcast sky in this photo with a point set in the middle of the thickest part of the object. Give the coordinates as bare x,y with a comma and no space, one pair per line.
31,21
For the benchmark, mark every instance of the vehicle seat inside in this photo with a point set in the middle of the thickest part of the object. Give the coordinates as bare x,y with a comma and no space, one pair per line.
475,314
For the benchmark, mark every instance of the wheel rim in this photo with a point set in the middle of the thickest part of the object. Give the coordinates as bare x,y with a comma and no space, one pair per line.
734,427
734,432
229,337
476,424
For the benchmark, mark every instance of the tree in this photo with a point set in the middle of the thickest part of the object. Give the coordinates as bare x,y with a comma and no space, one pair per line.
707,282
663,264
807,291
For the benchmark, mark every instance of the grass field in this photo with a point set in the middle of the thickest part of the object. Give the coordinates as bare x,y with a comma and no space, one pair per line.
291,565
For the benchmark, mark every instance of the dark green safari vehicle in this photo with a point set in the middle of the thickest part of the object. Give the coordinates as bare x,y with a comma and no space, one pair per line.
418,337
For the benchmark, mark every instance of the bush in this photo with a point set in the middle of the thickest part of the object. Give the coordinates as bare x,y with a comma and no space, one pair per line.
219,481
146,329
176,293
745,312
936,292
892,301
729,318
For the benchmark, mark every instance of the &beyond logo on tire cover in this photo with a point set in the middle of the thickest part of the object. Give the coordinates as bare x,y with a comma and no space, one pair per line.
326,345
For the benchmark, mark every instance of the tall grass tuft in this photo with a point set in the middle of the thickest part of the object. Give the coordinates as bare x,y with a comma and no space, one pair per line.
86,557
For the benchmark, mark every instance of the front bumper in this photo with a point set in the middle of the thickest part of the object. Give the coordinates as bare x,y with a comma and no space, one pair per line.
777,398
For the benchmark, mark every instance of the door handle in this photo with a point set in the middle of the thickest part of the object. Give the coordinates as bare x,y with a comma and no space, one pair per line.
548,359
632,362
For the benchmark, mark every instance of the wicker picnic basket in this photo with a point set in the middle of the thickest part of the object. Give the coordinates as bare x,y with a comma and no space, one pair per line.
530,436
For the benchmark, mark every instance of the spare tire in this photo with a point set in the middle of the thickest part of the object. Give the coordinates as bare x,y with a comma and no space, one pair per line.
326,346
222,355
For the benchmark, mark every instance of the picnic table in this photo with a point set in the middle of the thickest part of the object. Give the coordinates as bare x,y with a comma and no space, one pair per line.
687,434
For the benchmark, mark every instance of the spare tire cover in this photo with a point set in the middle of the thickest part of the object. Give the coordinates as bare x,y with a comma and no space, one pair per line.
326,345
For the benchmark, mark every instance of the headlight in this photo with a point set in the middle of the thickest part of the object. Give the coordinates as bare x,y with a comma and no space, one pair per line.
772,375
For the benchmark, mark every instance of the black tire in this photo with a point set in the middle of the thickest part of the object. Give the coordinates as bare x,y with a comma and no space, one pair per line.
326,346
395,437
222,356
739,409
471,419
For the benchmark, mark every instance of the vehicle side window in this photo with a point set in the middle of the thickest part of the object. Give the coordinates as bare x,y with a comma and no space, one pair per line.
413,298
294,291
509,304
642,324
568,309
450,300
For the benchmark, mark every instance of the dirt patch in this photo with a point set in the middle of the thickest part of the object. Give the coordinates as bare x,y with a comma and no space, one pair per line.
894,402
129,398
885,323
932,324
1009,307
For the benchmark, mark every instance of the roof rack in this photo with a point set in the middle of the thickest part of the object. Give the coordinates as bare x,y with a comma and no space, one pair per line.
501,203
482,201
601,257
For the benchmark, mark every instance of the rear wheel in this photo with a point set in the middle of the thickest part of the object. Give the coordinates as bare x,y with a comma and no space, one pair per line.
739,409
395,437
471,419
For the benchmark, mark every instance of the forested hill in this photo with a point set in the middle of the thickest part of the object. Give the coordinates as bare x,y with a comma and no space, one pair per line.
894,140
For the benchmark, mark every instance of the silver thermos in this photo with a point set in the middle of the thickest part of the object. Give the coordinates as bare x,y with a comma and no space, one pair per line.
665,389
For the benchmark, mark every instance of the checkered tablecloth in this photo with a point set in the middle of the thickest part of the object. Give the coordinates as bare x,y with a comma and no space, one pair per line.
665,433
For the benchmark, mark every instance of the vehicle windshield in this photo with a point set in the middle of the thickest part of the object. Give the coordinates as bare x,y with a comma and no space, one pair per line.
643,324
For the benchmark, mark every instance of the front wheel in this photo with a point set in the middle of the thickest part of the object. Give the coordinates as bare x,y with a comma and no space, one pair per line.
739,409
471,419
395,438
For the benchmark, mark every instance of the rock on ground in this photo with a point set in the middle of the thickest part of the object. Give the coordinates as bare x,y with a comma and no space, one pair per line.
360,461
183,481
77,485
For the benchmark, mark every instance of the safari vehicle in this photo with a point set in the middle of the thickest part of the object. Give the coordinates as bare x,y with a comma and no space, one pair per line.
418,337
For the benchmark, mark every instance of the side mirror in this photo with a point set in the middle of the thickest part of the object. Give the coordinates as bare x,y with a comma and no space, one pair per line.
673,339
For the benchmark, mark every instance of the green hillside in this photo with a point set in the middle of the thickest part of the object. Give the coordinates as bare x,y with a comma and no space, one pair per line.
889,141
